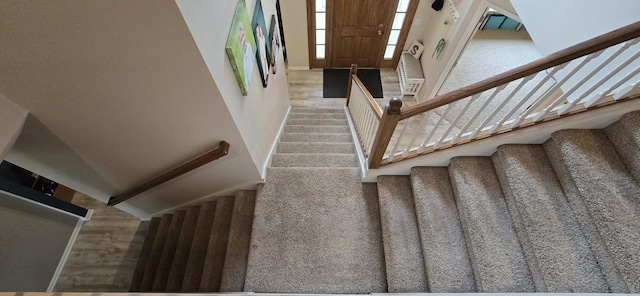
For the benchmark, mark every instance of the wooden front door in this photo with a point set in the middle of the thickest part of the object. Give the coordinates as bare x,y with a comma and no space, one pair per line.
358,30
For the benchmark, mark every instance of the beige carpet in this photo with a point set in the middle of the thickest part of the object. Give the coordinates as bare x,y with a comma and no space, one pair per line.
490,53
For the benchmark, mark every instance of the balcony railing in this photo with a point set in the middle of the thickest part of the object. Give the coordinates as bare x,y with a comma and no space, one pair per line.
594,73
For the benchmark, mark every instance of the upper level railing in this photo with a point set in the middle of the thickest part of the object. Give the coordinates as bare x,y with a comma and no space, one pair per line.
596,72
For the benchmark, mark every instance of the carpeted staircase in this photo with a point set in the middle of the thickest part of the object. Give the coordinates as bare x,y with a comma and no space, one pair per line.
563,216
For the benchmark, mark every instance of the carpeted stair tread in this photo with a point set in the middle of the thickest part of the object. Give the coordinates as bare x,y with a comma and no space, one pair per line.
313,137
156,253
317,116
443,246
314,160
304,147
612,275
235,263
402,250
198,252
559,255
145,252
176,275
307,121
169,251
318,129
316,230
609,192
496,256
625,136
317,110
214,262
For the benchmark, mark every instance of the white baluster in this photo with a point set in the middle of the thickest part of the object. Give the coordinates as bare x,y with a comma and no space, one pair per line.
544,98
597,98
435,128
424,121
518,120
496,91
455,121
404,128
564,109
499,123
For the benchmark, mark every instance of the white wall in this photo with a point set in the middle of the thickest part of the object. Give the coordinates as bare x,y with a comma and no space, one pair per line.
555,25
33,240
260,115
37,149
435,69
424,12
294,20
12,119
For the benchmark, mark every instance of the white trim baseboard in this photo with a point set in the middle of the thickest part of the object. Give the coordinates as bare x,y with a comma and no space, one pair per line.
67,251
298,68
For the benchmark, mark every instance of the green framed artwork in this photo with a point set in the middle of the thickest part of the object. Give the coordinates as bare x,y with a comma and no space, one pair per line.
241,47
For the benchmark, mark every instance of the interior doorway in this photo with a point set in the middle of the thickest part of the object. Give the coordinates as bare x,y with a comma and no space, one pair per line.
369,33
498,44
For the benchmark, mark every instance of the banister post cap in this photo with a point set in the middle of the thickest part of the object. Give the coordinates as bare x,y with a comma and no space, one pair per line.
394,105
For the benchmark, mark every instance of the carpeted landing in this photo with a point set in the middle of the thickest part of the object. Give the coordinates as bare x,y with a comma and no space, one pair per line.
316,226
558,217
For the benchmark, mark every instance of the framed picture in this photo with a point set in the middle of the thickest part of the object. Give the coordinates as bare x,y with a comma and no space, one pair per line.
241,47
274,44
260,31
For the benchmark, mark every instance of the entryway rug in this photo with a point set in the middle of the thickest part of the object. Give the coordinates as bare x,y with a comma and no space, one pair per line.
335,82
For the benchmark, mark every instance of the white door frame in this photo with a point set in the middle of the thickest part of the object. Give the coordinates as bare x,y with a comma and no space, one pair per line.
466,35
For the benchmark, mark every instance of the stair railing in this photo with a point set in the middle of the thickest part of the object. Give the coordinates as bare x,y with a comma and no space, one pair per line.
222,150
567,82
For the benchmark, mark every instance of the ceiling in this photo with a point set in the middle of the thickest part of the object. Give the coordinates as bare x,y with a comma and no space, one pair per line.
123,85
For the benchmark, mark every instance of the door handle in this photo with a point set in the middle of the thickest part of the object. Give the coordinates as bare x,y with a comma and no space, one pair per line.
380,32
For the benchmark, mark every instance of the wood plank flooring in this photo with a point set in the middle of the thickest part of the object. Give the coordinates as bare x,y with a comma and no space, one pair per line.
106,251
305,89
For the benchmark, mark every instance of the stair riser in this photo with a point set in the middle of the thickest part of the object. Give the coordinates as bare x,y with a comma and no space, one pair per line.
316,110
294,147
317,116
314,160
323,129
342,122
331,138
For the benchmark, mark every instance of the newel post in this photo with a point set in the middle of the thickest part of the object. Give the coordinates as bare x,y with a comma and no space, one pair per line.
390,118
354,71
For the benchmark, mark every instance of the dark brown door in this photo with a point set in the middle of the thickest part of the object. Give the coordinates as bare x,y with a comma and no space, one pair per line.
358,31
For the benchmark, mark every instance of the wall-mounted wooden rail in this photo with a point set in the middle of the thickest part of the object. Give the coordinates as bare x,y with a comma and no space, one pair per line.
222,150
577,78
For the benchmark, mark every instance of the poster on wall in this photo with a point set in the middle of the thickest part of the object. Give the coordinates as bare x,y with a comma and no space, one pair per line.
274,44
241,47
260,31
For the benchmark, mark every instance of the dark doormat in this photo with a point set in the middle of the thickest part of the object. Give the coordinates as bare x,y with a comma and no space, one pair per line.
335,82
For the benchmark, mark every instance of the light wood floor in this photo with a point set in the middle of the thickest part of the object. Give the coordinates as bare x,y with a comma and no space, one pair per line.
105,253
305,89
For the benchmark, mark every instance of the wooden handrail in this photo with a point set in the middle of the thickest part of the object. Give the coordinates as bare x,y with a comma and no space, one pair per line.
581,49
354,71
372,102
222,150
